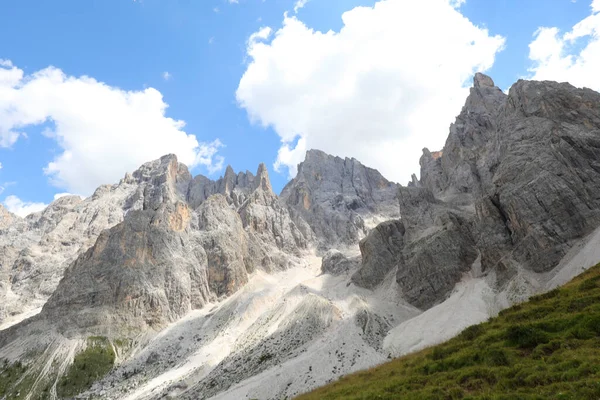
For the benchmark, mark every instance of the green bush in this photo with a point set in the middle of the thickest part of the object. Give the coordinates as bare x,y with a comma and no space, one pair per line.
526,336
90,365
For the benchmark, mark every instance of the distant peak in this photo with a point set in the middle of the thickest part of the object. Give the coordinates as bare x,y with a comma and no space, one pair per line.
169,157
315,153
262,168
482,80
262,178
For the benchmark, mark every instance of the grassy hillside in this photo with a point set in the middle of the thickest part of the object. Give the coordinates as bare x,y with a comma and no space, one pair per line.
31,380
546,348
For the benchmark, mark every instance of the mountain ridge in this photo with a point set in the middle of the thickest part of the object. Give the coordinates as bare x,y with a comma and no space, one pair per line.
508,208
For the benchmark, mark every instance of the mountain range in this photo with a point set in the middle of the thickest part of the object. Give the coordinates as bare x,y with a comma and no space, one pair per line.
193,288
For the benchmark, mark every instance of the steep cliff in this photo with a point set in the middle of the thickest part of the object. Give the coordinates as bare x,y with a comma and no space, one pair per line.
338,200
516,184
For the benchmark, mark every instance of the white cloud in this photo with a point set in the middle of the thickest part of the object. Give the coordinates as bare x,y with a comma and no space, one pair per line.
211,40
102,131
167,76
22,208
299,4
386,85
572,57
457,3
262,34
59,195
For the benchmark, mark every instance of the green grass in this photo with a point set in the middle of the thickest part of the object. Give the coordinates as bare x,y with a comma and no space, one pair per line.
89,365
12,376
546,348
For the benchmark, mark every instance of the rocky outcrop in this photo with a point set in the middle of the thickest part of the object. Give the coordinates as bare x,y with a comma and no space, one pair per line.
516,184
235,187
338,200
335,262
380,253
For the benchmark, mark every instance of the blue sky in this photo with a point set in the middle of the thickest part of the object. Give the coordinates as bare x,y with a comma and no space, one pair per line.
72,133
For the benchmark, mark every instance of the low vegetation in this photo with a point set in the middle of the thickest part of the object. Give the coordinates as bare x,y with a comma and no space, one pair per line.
11,378
90,365
546,348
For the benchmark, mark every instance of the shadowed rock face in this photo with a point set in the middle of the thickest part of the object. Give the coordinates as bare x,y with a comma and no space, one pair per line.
335,199
516,183
335,262
380,253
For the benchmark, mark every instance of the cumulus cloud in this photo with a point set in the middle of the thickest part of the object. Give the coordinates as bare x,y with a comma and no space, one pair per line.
573,56
299,4
386,85
102,131
22,208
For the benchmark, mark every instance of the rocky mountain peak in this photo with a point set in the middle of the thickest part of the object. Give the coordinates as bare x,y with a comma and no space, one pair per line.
262,178
338,198
482,80
7,218
515,186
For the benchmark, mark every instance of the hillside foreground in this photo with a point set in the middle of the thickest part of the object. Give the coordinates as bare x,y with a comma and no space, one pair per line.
545,348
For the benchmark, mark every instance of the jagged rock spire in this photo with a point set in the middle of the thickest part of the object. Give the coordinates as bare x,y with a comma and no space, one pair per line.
262,178
482,80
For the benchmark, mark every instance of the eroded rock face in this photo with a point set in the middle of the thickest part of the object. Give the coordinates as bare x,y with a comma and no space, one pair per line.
516,183
144,272
166,258
338,199
36,250
335,262
380,253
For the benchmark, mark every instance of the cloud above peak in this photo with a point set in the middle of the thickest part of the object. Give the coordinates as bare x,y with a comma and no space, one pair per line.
386,85
22,208
573,56
101,131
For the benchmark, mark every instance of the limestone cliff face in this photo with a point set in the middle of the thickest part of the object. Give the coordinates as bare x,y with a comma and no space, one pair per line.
36,250
337,200
516,183
168,257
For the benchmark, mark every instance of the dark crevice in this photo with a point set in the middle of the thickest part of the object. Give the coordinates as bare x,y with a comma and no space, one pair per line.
495,199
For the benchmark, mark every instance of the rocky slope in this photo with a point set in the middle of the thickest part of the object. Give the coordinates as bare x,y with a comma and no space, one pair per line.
517,183
218,289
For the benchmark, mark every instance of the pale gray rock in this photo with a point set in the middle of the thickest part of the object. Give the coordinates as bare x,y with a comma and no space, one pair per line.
38,249
235,188
336,263
311,318
339,199
374,327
